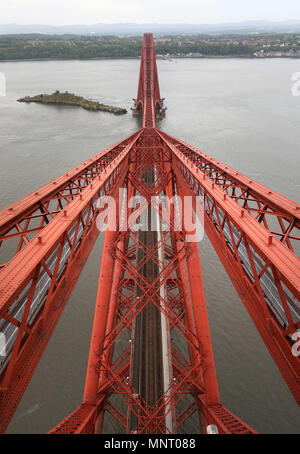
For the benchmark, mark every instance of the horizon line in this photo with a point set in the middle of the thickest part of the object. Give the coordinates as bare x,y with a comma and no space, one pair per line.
153,23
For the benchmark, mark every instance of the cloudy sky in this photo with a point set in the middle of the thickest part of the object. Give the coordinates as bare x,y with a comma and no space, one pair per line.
65,12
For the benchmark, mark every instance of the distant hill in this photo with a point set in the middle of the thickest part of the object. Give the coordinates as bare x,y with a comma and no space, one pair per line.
159,29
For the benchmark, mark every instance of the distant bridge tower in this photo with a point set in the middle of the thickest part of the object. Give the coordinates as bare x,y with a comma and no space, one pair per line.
148,97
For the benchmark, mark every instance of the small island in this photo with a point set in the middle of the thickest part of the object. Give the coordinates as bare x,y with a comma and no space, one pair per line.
70,99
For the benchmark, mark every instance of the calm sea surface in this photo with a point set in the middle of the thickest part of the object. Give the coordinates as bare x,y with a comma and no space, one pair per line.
239,111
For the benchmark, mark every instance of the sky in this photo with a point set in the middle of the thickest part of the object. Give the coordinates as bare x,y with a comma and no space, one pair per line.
70,12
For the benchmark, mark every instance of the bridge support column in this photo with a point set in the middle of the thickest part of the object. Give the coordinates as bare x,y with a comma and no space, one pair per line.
100,319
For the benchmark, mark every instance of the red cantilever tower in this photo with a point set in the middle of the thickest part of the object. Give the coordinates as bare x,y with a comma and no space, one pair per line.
151,365
145,306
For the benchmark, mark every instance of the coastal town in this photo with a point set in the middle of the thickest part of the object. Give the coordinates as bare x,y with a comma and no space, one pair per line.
264,46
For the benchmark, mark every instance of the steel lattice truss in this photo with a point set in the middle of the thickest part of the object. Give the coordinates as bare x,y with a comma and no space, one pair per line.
151,365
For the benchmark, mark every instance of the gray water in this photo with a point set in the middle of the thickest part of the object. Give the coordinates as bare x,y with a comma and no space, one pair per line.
239,111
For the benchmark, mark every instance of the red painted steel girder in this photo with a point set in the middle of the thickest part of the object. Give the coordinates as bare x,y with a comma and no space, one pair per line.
278,214
24,219
36,284
240,232
192,383
266,274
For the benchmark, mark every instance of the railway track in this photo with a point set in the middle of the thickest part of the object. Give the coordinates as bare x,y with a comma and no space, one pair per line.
147,370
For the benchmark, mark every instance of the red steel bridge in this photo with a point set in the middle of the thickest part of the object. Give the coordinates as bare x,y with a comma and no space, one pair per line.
151,365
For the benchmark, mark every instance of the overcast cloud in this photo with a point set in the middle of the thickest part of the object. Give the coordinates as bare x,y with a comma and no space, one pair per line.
65,12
